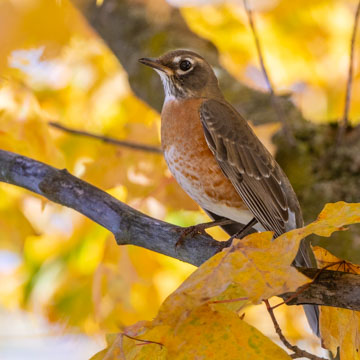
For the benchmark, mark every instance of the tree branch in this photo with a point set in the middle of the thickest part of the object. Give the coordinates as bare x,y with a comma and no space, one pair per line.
107,139
132,227
331,288
277,106
297,352
128,225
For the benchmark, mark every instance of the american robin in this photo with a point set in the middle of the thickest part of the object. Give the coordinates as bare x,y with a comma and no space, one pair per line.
218,160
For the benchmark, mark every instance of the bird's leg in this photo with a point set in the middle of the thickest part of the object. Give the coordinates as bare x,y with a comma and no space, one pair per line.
244,231
200,229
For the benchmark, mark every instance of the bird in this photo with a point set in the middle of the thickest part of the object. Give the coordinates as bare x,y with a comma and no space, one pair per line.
218,160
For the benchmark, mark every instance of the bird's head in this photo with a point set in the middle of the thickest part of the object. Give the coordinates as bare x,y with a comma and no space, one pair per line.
185,74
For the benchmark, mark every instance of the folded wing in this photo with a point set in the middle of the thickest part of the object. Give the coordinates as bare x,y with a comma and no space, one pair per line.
252,170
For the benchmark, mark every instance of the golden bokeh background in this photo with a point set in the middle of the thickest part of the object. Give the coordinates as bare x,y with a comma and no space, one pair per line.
53,67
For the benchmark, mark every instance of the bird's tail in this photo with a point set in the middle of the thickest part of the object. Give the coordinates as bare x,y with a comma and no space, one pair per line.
303,258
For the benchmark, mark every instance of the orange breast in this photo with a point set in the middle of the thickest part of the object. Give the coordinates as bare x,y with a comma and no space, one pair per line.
189,158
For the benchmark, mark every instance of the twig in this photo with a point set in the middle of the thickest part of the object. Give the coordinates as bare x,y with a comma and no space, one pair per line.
277,106
107,139
298,353
345,120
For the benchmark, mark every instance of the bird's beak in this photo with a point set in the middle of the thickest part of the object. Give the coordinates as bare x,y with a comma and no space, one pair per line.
156,64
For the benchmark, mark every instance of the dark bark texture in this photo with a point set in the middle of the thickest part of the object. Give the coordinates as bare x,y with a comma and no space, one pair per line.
330,287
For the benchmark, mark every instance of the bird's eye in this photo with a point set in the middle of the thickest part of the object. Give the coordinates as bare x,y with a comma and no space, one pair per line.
185,65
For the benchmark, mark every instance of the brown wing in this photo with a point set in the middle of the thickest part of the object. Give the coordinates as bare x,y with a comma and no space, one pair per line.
252,170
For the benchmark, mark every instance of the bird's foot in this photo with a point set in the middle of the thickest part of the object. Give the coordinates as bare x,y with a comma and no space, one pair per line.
246,230
199,229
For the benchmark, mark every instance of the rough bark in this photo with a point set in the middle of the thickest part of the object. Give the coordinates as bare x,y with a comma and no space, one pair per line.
331,288
131,227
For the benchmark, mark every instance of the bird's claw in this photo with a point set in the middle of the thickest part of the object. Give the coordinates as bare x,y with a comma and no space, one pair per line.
190,231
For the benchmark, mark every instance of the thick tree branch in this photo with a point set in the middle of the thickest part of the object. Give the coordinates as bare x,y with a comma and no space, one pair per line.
130,226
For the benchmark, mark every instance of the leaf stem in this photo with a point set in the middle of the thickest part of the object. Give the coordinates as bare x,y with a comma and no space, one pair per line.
228,300
143,342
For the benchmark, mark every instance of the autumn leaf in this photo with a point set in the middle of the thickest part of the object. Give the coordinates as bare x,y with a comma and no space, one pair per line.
333,218
256,267
339,328
131,347
206,334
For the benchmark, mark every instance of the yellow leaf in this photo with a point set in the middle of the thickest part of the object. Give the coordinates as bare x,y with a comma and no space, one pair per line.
188,325
122,347
333,217
339,327
206,334
210,334
255,267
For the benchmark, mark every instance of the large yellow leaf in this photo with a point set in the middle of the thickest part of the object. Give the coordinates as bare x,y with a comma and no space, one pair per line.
256,267
211,334
339,328
206,334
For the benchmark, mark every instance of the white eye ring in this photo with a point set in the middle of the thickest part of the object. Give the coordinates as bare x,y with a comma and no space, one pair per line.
188,61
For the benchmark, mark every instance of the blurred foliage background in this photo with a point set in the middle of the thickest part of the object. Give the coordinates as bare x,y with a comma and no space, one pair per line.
53,66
